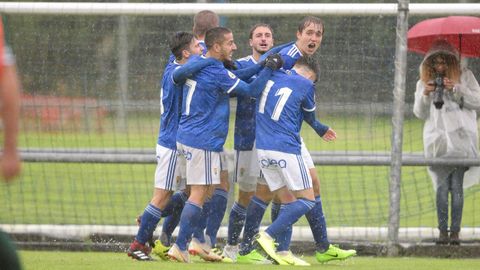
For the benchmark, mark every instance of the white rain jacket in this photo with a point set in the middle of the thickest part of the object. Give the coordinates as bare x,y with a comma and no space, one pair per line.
452,131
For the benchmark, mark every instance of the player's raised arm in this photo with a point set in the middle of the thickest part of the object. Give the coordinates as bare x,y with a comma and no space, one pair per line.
275,50
247,73
194,65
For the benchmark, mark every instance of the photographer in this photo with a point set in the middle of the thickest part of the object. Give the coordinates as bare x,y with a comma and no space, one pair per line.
450,129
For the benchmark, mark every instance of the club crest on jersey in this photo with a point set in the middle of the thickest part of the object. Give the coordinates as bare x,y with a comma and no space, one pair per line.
231,74
215,171
266,163
242,171
186,154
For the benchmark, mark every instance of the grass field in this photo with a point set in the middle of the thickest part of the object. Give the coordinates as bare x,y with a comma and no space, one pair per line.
42,260
85,193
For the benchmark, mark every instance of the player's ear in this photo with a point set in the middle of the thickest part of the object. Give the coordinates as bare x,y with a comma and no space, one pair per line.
185,54
299,34
250,42
216,47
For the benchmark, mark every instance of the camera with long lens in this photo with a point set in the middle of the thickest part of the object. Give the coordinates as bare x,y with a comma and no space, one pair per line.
438,93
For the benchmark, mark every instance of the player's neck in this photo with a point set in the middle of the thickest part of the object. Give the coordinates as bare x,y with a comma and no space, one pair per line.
182,61
213,55
256,55
299,48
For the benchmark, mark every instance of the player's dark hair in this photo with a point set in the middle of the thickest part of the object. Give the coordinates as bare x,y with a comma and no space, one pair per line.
216,35
309,20
203,21
257,26
309,62
179,42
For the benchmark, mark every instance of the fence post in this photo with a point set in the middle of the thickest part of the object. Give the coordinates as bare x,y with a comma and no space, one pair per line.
397,127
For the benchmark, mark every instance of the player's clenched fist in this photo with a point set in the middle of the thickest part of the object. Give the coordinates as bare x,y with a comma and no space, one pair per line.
274,61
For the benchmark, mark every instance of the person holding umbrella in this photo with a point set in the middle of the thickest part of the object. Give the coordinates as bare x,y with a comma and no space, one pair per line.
446,98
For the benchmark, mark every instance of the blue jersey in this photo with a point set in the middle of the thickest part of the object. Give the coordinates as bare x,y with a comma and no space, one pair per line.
280,111
205,108
245,115
170,108
171,58
290,55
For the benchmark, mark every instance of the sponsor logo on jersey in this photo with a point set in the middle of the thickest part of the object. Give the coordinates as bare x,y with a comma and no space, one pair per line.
266,163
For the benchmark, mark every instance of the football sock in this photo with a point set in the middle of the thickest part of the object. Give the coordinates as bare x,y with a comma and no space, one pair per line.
176,205
150,218
284,237
218,205
255,211
188,221
289,214
318,225
275,210
235,223
198,231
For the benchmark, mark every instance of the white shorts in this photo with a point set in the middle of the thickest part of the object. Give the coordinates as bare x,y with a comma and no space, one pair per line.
202,166
306,156
170,171
284,169
255,170
241,176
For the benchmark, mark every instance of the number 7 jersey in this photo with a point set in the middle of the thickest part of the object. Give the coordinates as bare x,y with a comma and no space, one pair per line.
280,111
206,108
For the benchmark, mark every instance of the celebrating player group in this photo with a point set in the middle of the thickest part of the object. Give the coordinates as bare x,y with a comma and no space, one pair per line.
275,92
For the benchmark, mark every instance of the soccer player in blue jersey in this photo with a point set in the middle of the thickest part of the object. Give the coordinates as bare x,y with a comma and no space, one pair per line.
309,38
167,174
260,40
286,102
204,126
202,21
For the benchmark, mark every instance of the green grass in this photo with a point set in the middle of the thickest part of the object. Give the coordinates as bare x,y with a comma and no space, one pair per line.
42,260
84,193
354,133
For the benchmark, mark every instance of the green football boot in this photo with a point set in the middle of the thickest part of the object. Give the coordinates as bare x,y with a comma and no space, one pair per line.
334,253
254,257
291,259
160,250
268,245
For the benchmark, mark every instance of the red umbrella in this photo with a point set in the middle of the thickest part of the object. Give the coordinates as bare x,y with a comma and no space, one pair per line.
462,32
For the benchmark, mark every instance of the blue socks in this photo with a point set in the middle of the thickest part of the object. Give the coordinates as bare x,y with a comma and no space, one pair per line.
318,225
255,211
176,203
172,213
289,214
235,223
188,221
218,205
198,231
285,237
275,210
150,218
